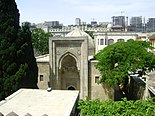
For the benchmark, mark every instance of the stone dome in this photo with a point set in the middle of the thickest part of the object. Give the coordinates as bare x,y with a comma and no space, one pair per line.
79,33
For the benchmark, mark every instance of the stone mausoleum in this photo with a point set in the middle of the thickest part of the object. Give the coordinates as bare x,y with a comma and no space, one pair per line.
70,66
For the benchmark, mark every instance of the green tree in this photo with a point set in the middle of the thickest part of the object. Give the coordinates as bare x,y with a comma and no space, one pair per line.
120,108
117,60
18,67
91,33
40,41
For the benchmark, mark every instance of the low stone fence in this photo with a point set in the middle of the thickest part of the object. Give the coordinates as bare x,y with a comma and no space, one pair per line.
136,88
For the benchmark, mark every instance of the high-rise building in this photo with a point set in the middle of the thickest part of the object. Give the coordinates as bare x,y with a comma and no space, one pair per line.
136,20
78,21
151,25
83,23
136,24
118,20
118,23
52,23
93,23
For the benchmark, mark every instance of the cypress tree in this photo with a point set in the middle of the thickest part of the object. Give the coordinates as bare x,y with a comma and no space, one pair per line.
18,67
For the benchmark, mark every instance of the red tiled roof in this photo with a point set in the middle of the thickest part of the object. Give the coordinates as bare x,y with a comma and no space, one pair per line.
152,37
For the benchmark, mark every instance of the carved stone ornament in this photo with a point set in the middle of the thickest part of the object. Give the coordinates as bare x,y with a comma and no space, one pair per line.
58,52
79,52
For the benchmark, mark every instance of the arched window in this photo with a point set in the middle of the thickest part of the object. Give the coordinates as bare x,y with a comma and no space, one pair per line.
110,41
129,39
120,40
101,41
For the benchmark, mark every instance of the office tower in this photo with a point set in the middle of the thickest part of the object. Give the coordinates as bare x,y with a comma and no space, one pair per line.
78,21
151,25
118,20
118,23
52,23
136,24
93,23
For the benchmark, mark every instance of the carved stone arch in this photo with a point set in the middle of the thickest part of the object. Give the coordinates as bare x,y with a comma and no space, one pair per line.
68,72
72,55
70,87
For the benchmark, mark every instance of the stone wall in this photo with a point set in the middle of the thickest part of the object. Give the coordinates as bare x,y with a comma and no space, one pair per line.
76,47
43,75
102,91
136,88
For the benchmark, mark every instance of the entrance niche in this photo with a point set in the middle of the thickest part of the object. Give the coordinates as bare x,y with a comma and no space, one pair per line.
70,79
71,88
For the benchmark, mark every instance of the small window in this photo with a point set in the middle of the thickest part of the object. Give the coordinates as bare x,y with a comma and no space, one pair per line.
110,41
96,79
120,40
101,42
41,78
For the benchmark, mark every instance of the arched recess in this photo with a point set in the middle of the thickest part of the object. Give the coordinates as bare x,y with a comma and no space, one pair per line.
110,41
71,87
120,40
130,39
66,54
68,72
101,41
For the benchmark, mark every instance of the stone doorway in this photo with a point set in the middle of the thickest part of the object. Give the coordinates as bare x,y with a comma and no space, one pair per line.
69,74
71,88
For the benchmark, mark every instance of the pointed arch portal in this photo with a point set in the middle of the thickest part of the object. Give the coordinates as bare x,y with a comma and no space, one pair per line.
70,79
68,59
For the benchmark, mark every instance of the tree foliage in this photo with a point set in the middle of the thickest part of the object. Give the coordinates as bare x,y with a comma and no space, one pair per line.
117,60
18,67
40,41
91,33
120,108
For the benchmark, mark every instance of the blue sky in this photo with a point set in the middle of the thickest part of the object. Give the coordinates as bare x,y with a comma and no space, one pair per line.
65,11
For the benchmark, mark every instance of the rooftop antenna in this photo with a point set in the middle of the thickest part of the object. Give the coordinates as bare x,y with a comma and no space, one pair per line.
93,19
123,25
122,12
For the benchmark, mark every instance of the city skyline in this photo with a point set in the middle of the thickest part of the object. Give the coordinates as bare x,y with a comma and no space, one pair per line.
66,11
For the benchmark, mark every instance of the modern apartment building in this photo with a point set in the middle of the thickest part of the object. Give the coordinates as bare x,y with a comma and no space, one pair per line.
118,22
78,21
136,24
151,25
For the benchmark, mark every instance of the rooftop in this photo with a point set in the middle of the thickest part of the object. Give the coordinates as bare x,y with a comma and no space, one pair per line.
79,33
40,102
43,58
